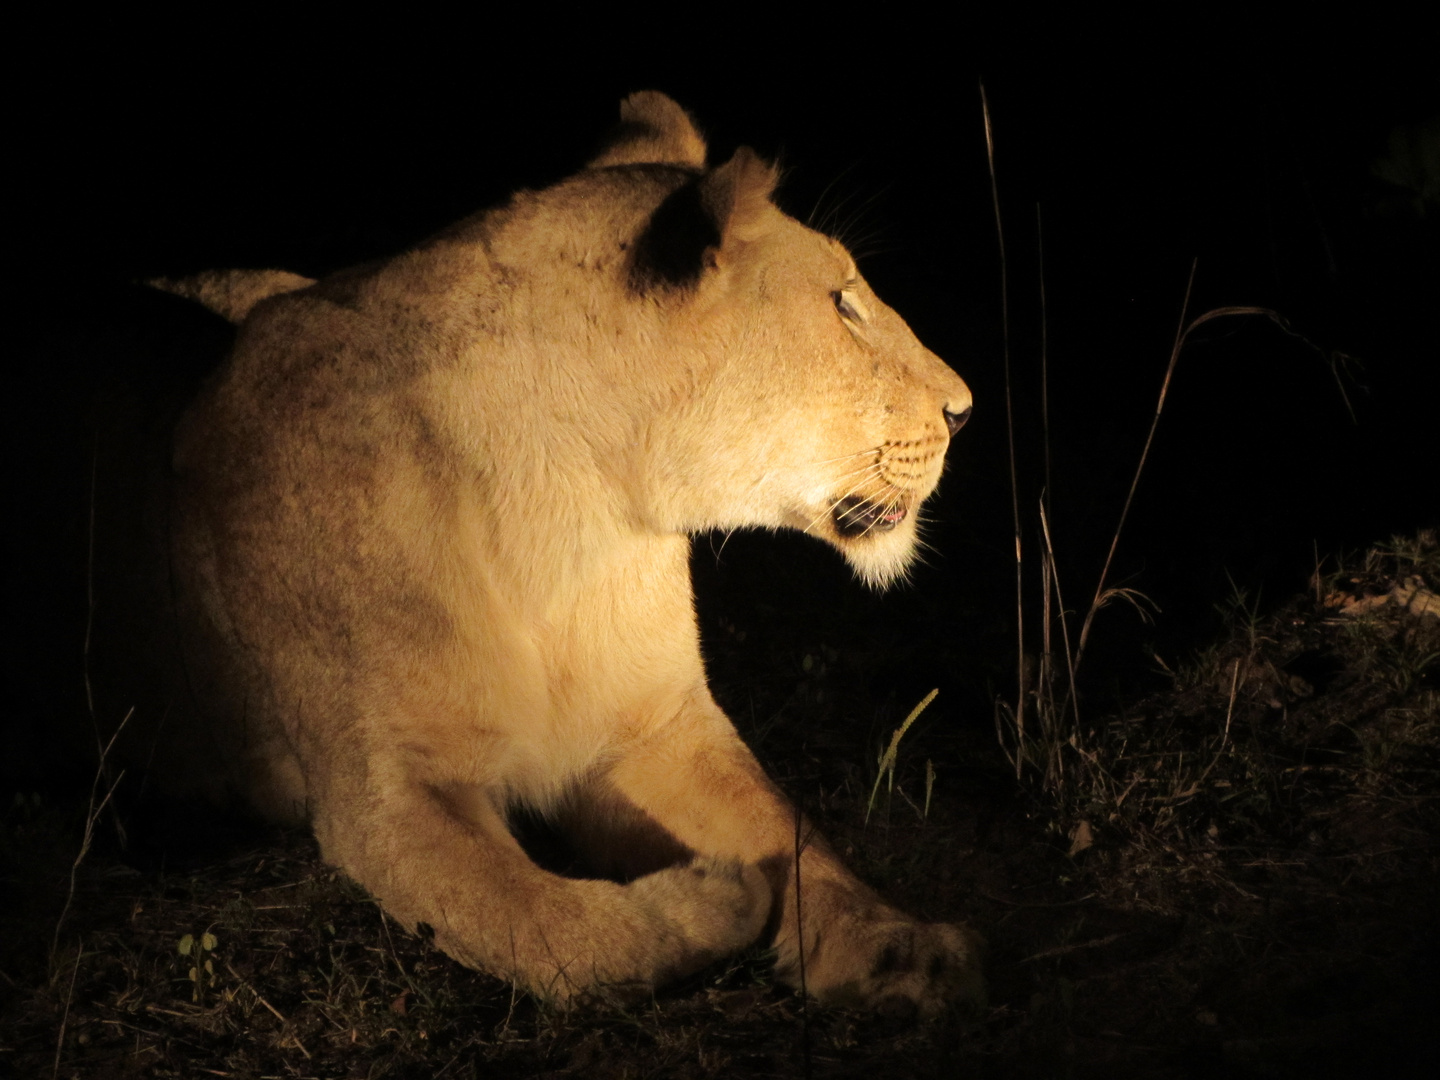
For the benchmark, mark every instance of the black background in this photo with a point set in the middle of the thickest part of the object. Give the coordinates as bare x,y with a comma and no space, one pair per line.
147,146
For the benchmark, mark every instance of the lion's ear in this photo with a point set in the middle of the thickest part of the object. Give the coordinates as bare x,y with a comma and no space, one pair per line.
737,195
653,130
703,220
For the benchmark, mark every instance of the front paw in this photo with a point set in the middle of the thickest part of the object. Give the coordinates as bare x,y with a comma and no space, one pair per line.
895,965
714,906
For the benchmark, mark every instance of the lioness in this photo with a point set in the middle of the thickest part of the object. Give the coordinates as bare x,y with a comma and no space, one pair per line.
430,536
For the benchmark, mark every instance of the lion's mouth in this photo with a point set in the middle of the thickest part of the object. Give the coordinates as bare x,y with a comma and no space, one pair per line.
854,516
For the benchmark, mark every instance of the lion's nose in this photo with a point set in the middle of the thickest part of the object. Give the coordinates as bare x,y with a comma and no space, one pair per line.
956,420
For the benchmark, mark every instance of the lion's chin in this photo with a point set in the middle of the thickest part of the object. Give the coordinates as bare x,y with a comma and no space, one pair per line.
882,555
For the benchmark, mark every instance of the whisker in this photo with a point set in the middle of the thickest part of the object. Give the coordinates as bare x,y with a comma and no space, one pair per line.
855,209
862,507
889,506
821,213
866,531
725,540
831,508
859,475
830,461
875,468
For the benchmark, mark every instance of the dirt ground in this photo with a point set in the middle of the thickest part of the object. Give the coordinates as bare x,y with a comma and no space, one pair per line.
1236,876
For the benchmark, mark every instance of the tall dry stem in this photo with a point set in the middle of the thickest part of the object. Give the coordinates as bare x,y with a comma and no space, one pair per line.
800,845
1010,433
1182,335
1074,700
1044,358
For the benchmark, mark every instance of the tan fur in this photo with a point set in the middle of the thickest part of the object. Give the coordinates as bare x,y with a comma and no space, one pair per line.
431,545
232,294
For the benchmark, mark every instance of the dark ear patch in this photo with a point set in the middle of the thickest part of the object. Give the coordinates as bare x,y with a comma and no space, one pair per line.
671,252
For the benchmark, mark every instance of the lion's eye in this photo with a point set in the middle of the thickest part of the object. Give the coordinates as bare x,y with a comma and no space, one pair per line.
847,305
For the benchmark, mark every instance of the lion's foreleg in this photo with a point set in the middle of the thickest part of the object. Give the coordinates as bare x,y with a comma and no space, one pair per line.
700,783
452,865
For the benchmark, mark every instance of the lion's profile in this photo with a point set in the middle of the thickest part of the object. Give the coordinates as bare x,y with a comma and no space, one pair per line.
430,532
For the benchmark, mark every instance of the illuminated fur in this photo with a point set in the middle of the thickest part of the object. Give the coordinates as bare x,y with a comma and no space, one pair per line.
431,542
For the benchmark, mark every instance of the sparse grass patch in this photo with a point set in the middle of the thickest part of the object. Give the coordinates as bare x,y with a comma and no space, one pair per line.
1289,717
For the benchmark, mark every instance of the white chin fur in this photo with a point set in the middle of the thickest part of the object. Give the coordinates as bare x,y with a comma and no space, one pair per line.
881,559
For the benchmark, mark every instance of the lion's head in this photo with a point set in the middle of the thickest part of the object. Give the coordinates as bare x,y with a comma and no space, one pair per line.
796,397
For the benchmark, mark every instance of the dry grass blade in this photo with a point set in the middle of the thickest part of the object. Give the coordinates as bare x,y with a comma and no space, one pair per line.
92,816
1182,335
1134,597
258,996
1181,331
1060,601
892,752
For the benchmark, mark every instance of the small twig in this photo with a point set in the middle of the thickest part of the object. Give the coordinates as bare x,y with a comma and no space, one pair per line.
800,946
913,805
65,1017
1194,789
261,999
385,925
1126,793
91,817
156,1010
258,996
1014,759
1062,950
1224,735
1023,904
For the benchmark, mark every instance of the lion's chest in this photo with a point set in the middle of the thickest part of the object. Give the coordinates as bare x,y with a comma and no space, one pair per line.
558,688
